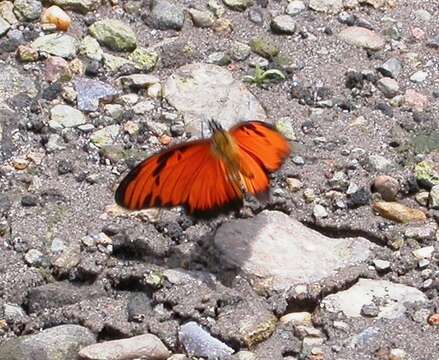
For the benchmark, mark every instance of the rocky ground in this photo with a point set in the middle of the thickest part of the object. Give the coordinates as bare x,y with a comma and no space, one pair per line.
341,263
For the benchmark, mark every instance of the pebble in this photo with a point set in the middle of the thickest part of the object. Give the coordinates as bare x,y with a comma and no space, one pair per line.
433,201
58,342
65,116
294,185
143,107
398,212
427,174
90,48
105,136
295,7
433,319
34,257
415,100
4,26
391,68
166,15
419,77
218,58
424,252
240,51
388,86
297,318
380,163
327,6
203,19
397,354
91,92
28,10
146,346
370,310
283,24
64,46
198,342
238,5
114,34
387,186
144,59
320,212
381,265
263,47
362,37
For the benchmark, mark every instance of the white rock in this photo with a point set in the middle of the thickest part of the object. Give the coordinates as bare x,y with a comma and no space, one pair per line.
365,291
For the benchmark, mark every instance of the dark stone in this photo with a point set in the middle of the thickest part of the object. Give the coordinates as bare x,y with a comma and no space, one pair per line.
385,108
92,68
13,40
360,198
52,91
29,200
328,31
370,310
354,79
65,167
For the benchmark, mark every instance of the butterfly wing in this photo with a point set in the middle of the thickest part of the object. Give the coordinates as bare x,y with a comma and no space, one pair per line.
262,151
188,175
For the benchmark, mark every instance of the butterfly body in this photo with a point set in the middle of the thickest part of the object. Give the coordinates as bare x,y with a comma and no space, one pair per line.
207,175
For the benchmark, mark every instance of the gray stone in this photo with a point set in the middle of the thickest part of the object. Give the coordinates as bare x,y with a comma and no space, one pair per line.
13,313
277,247
138,81
198,342
59,342
380,163
114,34
238,5
330,6
61,45
34,257
204,91
4,26
203,19
28,9
283,24
105,136
424,252
393,297
239,51
64,116
423,15
90,48
91,92
219,58
166,16
388,86
295,7
82,6
320,212
419,77
381,265
114,63
362,37
391,68
433,201
146,346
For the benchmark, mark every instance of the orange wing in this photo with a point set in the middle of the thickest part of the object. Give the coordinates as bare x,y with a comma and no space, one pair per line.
187,174
262,151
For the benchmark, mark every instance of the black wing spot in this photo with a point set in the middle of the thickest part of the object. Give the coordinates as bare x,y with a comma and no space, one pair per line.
255,130
147,201
157,179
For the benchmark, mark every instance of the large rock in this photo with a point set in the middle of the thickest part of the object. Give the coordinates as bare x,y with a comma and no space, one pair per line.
165,15
114,34
204,91
65,116
362,37
57,343
387,296
62,45
274,246
146,346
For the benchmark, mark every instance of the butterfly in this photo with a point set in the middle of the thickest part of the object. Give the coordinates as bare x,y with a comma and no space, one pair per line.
207,176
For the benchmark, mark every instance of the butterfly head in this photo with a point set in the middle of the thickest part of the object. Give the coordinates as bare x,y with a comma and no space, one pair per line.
215,127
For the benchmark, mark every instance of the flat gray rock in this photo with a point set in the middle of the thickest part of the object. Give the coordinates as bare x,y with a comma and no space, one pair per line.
203,92
275,246
389,297
61,45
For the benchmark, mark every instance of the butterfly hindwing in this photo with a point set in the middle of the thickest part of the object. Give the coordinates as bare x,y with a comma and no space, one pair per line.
262,150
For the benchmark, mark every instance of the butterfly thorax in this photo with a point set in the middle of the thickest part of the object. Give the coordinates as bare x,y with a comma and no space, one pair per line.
226,149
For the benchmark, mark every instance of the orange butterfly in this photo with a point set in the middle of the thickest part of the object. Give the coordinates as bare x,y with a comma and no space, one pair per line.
207,175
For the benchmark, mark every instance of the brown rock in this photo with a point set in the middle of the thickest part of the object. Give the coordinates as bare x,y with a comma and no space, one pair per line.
398,212
434,319
386,186
362,37
415,100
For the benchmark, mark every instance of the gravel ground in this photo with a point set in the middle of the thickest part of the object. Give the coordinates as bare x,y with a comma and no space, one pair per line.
342,262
